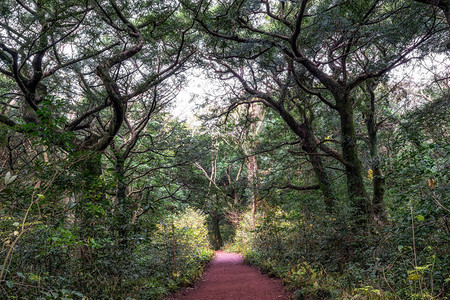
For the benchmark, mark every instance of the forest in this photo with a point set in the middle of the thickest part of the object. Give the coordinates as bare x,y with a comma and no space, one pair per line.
317,146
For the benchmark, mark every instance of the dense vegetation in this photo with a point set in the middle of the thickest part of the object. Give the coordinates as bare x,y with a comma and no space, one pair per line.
320,152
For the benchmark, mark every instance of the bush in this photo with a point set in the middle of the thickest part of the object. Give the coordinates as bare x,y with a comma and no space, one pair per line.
175,256
318,258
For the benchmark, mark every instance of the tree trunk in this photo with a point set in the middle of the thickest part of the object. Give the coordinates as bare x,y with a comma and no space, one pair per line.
122,209
92,192
91,170
378,178
355,184
252,167
256,113
217,236
123,214
310,145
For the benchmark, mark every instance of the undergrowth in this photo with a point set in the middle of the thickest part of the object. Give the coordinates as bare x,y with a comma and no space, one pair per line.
321,258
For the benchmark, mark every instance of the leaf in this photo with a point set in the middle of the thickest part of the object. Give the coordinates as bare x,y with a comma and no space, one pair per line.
20,274
377,292
414,276
13,178
40,196
9,178
420,218
9,283
423,268
77,294
16,224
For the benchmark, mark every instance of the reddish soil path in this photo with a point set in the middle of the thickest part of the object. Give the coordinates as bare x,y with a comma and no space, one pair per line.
228,278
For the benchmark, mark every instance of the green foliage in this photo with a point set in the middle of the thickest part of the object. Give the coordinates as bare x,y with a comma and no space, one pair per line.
319,257
68,246
89,210
175,256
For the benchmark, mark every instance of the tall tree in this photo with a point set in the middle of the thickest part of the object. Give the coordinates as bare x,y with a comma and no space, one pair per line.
336,47
96,57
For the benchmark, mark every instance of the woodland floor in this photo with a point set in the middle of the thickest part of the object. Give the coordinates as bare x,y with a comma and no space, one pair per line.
227,277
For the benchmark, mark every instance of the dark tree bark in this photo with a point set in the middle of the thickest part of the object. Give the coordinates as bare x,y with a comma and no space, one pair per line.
92,193
310,145
378,177
444,5
217,236
356,190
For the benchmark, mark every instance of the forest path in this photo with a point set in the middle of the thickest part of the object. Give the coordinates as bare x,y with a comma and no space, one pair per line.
228,278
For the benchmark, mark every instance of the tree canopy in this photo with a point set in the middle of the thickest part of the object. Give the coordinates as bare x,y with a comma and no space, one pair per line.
320,152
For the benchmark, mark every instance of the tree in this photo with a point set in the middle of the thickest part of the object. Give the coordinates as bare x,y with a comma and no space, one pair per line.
109,56
334,49
296,112
73,75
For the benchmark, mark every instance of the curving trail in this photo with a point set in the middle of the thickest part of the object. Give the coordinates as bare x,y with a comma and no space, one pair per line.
228,278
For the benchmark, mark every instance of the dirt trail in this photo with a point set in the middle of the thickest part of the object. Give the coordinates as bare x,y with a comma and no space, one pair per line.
229,278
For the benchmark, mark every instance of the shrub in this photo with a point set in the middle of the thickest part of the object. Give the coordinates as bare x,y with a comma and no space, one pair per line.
176,254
